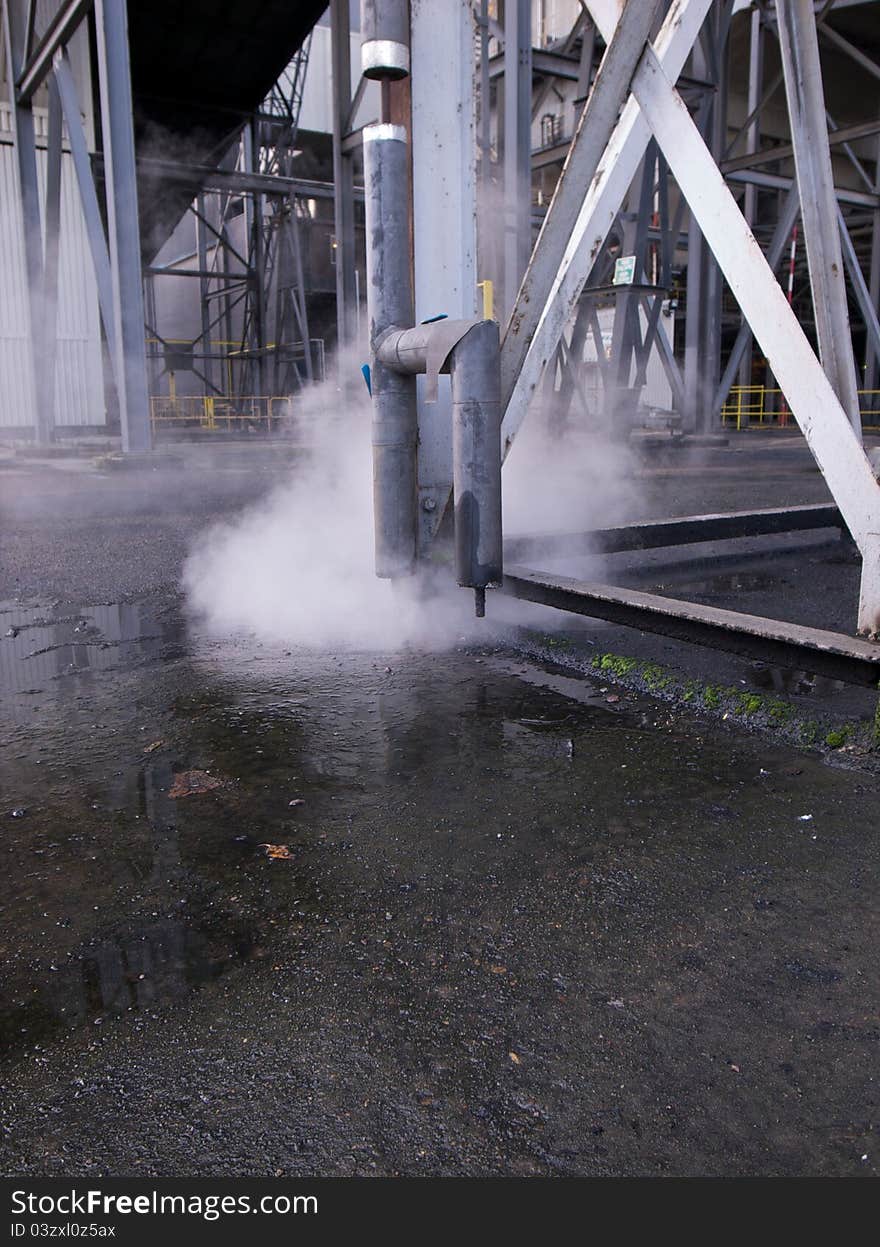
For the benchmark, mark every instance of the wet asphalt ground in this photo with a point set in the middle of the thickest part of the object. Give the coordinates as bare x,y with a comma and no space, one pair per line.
269,911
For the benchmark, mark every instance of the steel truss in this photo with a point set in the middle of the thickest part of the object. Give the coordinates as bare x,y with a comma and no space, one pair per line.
35,59
670,145
254,301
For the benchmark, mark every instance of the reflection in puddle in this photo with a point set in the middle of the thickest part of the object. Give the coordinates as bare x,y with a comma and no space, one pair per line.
356,766
44,641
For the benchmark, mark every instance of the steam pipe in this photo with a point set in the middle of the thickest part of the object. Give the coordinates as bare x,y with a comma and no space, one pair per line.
385,38
389,286
472,362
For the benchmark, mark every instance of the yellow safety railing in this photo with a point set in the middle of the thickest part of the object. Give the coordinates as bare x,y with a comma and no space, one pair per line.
216,412
748,406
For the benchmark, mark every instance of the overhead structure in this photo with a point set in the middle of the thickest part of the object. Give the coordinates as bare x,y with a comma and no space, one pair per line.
155,153
652,132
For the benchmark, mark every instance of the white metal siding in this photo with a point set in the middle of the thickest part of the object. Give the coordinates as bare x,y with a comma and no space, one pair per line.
79,392
79,387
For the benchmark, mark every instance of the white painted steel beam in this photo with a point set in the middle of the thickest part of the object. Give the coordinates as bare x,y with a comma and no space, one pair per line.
802,379
591,138
799,46
111,26
602,202
444,208
29,195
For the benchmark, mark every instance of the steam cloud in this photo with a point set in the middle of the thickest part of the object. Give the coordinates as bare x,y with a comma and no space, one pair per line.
298,567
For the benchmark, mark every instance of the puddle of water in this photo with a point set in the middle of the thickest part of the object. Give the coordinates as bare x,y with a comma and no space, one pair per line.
444,800
42,641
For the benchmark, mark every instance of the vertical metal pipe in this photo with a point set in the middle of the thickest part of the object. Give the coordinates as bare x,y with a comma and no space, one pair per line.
384,39
122,220
390,299
475,370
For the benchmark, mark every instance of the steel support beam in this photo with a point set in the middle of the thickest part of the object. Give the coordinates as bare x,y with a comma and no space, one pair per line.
804,382
867,306
88,198
753,142
601,203
774,181
204,304
50,259
872,358
58,34
122,222
517,144
681,531
29,198
343,176
444,181
824,653
788,215
856,54
836,137
799,46
594,130
234,180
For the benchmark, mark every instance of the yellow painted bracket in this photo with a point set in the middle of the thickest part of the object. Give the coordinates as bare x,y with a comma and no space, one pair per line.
488,289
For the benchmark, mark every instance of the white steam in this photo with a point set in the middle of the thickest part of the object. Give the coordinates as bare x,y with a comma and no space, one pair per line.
298,566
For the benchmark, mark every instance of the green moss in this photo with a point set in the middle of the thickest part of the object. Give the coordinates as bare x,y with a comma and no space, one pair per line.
615,664
712,696
778,710
809,731
749,703
839,735
655,677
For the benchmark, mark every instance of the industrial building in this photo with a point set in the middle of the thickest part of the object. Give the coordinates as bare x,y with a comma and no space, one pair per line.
192,260
440,460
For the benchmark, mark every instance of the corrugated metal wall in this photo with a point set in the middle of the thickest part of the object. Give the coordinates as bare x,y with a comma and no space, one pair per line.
79,389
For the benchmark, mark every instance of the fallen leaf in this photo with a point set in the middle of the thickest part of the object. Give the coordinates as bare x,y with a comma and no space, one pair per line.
191,783
279,851
514,1058
296,801
498,969
157,744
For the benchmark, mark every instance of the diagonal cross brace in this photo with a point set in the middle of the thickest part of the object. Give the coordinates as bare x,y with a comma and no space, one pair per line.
601,204
594,130
810,395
